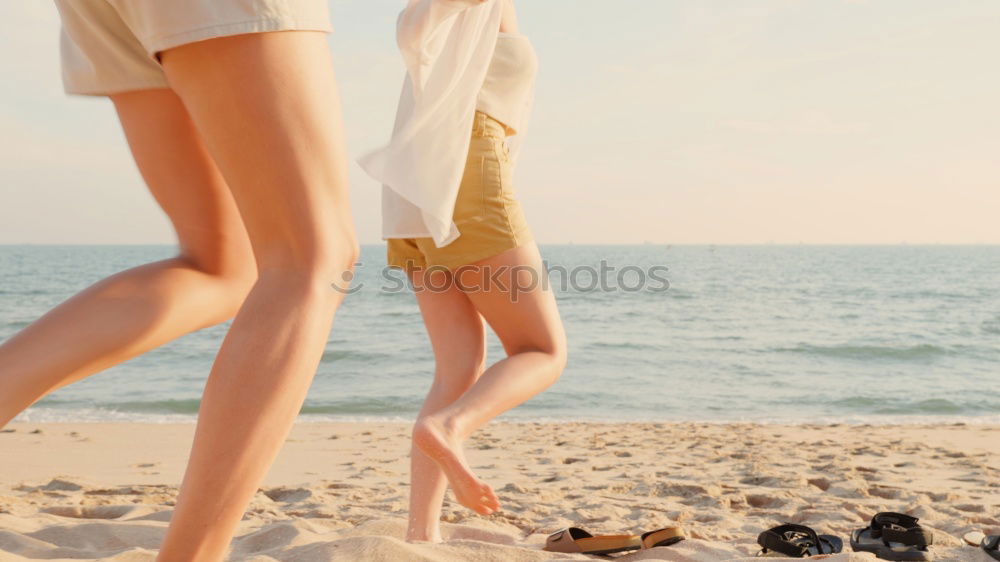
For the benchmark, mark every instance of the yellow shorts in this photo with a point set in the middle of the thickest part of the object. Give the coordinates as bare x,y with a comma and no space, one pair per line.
487,214
110,46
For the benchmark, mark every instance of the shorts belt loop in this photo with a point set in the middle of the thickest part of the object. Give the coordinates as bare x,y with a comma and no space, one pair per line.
479,124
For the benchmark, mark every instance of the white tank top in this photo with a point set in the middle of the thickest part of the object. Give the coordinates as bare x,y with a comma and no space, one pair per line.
509,81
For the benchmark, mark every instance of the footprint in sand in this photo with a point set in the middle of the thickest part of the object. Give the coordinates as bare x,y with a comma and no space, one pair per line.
61,485
92,512
288,495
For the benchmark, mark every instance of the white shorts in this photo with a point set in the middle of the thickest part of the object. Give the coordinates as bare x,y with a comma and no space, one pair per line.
111,46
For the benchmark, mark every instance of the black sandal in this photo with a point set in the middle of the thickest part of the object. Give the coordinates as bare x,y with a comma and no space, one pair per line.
894,536
991,546
796,541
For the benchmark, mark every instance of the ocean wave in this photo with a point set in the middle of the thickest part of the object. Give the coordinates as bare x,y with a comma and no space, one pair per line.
625,346
40,414
27,292
934,295
869,352
394,405
172,406
567,405
930,406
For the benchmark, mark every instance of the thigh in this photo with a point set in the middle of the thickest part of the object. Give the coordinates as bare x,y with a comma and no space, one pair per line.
453,324
268,108
511,292
184,179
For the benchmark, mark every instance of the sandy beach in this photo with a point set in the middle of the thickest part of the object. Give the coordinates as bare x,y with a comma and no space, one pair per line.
339,490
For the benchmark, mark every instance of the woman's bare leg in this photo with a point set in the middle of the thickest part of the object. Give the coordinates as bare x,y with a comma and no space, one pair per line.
532,334
459,341
267,106
142,308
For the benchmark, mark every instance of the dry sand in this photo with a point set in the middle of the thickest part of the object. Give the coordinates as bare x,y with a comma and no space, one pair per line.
339,491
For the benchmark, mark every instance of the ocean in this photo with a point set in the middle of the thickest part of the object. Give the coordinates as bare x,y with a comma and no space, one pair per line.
769,333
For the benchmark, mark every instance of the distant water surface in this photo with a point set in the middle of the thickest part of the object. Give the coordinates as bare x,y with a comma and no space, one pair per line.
766,333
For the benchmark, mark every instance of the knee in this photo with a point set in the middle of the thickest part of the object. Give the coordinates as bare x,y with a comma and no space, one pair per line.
553,353
238,275
223,253
562,355
225,288
235,286
230,265
559,355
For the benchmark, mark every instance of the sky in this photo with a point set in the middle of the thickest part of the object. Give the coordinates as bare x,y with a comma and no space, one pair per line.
660,121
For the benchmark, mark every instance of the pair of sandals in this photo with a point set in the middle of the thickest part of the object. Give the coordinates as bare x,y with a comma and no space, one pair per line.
990,544
578,541
894,536
890,536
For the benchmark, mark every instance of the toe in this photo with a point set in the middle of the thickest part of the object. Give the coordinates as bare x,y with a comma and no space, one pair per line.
492,501
483,510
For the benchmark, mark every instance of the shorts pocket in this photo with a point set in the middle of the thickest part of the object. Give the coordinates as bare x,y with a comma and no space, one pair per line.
505,175
471,204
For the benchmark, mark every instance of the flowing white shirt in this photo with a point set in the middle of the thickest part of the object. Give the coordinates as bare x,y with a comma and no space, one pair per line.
447,46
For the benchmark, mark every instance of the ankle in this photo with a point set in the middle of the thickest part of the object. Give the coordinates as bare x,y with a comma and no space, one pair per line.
453,426
423,535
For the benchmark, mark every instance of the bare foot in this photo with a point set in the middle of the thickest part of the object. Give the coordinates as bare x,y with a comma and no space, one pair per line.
446,450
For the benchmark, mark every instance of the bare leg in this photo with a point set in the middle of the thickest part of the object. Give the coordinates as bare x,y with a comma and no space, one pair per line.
532,334
459,341
267,106
143,308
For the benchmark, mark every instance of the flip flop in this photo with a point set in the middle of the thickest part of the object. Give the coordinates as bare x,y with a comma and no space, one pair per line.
796,541
576,540
894,536
662,537
990,544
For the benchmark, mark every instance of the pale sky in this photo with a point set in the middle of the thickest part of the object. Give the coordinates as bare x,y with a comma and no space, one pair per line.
668,121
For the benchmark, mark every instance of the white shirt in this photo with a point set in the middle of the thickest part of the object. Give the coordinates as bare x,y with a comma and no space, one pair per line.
447,46
507,90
